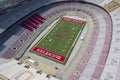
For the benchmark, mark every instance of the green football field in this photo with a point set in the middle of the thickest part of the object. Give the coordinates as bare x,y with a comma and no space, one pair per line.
59,41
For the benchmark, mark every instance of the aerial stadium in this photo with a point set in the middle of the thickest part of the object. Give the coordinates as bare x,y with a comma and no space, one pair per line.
59,39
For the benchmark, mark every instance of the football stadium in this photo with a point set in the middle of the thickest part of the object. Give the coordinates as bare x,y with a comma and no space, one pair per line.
59,39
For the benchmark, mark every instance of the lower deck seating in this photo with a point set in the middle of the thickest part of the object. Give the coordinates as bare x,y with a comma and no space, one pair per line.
9,53
30,24
16,45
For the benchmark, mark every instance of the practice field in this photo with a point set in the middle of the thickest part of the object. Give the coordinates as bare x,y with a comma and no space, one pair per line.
57,44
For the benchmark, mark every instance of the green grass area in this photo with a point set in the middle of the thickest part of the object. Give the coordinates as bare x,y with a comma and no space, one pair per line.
61,39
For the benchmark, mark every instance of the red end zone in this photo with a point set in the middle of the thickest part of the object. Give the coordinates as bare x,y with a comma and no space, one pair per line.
73,20
49,54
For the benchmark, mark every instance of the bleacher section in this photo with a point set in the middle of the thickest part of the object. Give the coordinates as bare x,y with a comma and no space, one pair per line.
16,44
32,22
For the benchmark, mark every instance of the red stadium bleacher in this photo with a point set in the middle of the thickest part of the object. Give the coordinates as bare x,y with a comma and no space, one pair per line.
31,24
40,17
23,24
28,20
34,20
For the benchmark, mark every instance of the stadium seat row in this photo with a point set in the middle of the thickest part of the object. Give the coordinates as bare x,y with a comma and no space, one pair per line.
32,22
15,46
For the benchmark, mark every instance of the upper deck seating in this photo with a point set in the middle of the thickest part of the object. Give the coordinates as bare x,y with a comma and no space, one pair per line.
32,22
